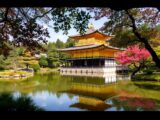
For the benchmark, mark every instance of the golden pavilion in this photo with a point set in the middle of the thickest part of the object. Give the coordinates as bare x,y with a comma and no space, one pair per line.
92,53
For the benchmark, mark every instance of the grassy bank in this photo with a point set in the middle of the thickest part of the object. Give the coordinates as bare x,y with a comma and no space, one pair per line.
151,77
47,70
12,72
11,75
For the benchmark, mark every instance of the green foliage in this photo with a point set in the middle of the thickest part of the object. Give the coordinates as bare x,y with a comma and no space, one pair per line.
148,71
157,50
21,51
149,77
22,24
69,43
52,55
146,31
13,53
158,27
123,38
150,67
43,61
55,64
133,19
55,58
12,59
5,48
2,66
66,18
21,103
59,44
35,67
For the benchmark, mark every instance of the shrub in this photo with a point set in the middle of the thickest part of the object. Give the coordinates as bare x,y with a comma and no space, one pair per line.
43,61
148,71
21,51
35,67
56,64
2,67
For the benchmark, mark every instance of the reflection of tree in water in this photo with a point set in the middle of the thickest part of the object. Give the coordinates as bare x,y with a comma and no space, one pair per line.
58,95
135,103
88,80
22,103
70,96
51,82
148,86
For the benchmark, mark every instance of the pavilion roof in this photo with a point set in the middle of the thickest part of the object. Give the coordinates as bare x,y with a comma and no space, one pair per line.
88,47
88,32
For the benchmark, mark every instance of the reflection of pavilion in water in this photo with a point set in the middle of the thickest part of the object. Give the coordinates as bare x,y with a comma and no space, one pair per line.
92,90
92,96
109,77
90,104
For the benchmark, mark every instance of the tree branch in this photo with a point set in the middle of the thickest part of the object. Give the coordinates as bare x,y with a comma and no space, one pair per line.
40,16
144,40
23,13
5,16
134,26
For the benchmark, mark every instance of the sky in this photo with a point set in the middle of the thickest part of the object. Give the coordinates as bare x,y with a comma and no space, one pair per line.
54,36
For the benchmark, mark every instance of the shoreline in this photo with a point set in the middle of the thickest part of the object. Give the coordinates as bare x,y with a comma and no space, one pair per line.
9,75
47,70
20,75
147,77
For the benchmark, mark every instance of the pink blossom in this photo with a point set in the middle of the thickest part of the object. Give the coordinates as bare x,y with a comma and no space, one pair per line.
132,54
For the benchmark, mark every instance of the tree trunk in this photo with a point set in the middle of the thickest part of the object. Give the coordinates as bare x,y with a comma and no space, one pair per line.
15,66
153,53
134,72
149,48
137,70
27,65
144,41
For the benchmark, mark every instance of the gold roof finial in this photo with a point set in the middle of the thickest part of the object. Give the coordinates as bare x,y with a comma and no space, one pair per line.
91,26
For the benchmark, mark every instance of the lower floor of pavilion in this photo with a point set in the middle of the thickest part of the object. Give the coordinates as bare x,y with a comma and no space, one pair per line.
96,66
90,62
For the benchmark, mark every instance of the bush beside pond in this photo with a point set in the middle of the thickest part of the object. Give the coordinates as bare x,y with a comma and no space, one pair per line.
35,67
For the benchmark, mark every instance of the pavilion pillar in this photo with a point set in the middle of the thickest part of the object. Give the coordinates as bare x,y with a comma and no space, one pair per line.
85,63
65,64
99,63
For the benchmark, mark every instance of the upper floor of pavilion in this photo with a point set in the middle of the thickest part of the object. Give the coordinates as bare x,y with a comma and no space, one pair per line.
91,37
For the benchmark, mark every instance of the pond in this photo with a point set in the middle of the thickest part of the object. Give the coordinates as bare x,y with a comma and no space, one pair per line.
55,92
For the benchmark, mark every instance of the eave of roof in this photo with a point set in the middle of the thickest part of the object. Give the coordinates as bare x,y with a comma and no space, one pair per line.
80,47
88,47
89,33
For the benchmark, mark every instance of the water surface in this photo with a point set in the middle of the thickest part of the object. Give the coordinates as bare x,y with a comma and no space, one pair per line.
55,92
